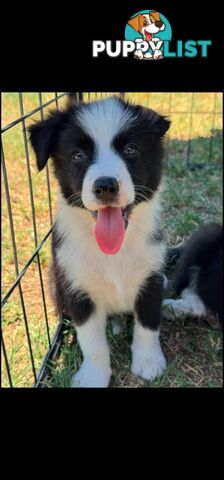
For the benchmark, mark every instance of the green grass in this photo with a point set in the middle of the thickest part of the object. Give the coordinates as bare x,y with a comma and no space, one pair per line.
190,199
193,352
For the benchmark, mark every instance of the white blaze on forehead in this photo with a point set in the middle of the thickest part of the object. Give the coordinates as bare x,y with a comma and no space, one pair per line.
103,120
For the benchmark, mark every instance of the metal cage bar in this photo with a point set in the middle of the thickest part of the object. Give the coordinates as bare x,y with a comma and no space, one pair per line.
213,125
47,168
19,275
16,261
24,117
190,128
56,100
23,271
6,362
33,214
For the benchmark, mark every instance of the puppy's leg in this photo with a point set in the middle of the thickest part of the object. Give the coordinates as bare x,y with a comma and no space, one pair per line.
138,54
148,360
148,55
175,308
157,54
188,304
95,370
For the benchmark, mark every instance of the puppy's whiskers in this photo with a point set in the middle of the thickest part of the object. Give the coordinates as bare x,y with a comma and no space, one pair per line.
75,200
144,187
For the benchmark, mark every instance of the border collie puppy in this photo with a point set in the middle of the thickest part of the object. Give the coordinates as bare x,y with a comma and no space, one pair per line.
108,251
198,279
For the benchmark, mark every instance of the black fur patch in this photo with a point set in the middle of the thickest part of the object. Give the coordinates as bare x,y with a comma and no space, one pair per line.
44,136
80,307
61,285
59,136
197,251
204,250
148,305
76,306
146,133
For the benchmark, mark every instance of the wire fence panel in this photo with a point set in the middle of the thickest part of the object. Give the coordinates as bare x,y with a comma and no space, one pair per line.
28,317
31,334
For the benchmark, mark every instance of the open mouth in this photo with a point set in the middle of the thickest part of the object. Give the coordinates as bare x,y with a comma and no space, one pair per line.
125,212
148,36
110,226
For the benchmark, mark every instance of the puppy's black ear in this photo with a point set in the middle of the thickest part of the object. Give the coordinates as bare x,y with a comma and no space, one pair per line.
161,124
44,135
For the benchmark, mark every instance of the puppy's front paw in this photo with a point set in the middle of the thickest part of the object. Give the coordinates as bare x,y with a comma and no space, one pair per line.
91,375
157,54
147,363
138,54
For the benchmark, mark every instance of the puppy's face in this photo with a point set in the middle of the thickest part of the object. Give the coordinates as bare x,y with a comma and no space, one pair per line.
147,24
106,153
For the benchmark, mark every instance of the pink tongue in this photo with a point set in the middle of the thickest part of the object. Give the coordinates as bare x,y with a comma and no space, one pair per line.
109,229
148,36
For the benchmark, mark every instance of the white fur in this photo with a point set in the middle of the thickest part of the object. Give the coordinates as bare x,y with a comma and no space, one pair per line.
188,304
95,370
109,164
103,121
112,281
138,54
157,54
91,375
148,360
151,28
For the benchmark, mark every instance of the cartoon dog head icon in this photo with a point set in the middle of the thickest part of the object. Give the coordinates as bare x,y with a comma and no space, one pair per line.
147,24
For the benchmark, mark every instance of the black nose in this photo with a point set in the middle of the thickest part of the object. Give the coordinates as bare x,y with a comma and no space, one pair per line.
106,188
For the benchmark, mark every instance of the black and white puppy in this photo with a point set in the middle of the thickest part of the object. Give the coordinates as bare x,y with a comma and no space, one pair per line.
108,252
199,277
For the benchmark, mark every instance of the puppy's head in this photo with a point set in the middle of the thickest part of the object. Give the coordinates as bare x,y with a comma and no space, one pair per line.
106,154
147,24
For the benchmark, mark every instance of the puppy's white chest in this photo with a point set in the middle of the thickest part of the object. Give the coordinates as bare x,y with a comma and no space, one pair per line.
112,281
116,280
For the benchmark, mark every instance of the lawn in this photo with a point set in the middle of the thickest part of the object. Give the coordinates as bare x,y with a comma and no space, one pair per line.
191,198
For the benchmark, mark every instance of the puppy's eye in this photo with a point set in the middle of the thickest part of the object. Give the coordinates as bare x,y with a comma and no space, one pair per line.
145,23
130,150
78,155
